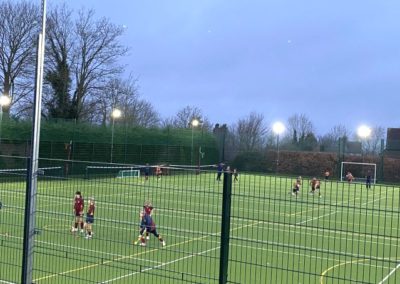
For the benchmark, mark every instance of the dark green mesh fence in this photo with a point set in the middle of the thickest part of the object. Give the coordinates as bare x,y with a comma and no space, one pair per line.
338,233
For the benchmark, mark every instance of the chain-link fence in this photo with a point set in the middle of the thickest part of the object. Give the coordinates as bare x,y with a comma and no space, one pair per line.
243,228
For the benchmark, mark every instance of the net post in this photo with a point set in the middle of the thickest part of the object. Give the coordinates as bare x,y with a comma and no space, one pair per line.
341,171
225,228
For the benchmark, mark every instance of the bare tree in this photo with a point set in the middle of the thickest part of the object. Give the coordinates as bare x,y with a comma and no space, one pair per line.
330,140
299,126
60,43
143,113
185,116
95,59
339,131
18,30
249,133
123,94
372,145
83,56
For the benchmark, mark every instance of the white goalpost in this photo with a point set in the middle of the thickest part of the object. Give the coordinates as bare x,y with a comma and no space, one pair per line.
358,170
112,171
128,173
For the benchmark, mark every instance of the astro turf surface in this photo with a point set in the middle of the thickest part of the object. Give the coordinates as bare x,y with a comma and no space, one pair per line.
348,235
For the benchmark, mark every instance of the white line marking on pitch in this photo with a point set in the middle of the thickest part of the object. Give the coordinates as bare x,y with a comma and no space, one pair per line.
334,212
6,282
390,274
161,265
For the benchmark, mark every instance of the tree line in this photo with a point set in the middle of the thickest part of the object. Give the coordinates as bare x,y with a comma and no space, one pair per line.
254,134
84,81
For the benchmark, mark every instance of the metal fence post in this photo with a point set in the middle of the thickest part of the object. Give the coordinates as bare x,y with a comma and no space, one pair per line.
338,168
382,161
33,162
225,228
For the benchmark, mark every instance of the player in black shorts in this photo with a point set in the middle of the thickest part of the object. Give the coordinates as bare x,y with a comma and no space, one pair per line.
369,180
146,171
296,186
327,174
90,218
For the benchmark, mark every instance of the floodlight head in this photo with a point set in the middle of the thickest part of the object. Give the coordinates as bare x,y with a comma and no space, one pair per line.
195,122
278,127
364,131
116,113
5,100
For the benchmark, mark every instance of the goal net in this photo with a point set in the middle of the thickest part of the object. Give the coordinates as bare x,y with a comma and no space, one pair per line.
42,172
359,171
128,173
112,171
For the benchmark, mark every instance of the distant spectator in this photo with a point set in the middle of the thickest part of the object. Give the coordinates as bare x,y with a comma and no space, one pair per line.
146,171
220,168
369,179
235,175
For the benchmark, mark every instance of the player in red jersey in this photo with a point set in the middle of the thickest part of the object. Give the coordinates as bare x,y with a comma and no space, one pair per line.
90,218
147,225
315,185
349,177
78,211
158,172
296,186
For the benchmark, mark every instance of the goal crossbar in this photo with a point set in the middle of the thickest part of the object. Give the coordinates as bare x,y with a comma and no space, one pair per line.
342,173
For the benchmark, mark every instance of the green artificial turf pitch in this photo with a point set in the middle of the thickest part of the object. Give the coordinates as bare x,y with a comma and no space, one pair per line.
348,235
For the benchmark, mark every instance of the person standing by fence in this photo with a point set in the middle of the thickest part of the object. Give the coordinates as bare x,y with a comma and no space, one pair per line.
220,168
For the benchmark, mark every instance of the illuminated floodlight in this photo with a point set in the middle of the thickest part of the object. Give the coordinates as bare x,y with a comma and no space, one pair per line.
116,113
195,122
278,128
4,100
364,131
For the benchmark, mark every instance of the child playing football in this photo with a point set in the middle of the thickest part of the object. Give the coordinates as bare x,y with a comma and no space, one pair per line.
315,185
235,175
146,171
158,172
327,174
296,186
368,180
349,177
147,225
90,218
78,206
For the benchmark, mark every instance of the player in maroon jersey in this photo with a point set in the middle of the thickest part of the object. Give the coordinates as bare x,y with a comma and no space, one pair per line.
315,185
147,225
78,211
90,218
158,172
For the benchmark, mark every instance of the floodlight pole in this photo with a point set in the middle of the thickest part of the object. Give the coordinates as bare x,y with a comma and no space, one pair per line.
191,151
1,120
112,138
2,103
277,152
33,163
193,123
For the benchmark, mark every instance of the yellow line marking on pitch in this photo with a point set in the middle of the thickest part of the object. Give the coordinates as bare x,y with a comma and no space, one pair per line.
337,265
133,255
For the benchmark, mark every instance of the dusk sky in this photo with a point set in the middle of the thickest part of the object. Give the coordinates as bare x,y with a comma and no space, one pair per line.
336,61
